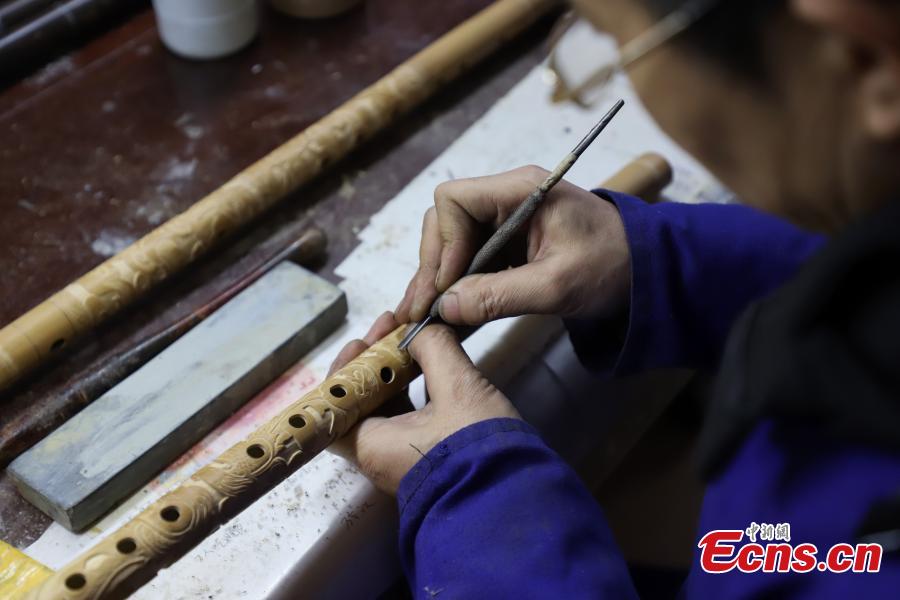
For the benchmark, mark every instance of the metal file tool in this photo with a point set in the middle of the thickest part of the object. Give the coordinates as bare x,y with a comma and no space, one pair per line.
518,218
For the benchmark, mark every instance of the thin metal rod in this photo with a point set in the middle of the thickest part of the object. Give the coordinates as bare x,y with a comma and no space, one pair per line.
518,218
414,331
593,133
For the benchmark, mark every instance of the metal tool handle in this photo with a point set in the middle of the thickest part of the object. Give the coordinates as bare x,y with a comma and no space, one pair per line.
519,217
529,206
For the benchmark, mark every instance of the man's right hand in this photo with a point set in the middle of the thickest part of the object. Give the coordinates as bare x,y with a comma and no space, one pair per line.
573,260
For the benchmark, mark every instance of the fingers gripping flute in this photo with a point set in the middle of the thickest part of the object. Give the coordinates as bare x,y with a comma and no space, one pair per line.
172,525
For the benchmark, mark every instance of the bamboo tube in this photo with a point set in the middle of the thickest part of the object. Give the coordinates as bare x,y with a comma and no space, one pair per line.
58,321
645,177
184,516
180,519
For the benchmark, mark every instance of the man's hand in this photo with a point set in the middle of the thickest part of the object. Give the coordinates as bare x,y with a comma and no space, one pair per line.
386,448
574,261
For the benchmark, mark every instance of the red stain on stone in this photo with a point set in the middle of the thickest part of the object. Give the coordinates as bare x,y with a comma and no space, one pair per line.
278,395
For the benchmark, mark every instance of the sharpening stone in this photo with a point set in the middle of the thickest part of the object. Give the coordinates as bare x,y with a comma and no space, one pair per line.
97,458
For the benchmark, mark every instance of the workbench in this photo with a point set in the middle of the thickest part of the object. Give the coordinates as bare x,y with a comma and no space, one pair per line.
104,144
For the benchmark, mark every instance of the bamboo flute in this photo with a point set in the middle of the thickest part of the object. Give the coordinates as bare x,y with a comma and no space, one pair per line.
85,303
169,527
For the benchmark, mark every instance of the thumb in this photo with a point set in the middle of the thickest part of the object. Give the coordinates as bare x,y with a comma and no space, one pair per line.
477,299
460,394
444,363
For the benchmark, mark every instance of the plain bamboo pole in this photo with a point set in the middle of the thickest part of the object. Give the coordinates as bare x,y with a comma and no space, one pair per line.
85,303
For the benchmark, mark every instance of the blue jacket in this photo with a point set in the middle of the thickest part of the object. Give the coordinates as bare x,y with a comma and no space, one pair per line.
492,512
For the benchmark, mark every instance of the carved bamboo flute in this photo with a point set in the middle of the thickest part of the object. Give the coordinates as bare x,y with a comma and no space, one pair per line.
85,303
169,527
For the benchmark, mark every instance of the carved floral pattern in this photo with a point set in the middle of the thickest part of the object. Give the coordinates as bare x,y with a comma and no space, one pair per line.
120,280
185,515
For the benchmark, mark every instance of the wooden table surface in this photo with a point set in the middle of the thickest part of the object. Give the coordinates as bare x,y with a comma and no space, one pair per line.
106,143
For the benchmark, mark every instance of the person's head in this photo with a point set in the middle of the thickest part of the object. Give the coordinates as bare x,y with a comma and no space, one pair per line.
794,104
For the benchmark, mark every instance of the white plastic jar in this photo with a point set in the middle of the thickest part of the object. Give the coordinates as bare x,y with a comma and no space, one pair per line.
206,29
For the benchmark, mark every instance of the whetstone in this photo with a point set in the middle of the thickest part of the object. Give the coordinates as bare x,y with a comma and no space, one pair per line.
97,458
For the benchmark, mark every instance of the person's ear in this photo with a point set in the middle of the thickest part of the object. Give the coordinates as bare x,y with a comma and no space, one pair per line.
870,31
880,100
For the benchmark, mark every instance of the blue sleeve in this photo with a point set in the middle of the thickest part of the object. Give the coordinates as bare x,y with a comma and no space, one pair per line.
822,488
694,269
492,512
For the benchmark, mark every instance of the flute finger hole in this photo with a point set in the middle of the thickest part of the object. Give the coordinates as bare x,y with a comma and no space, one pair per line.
297,421
76,581
255,451
338,391
126,546
170,514
387,374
